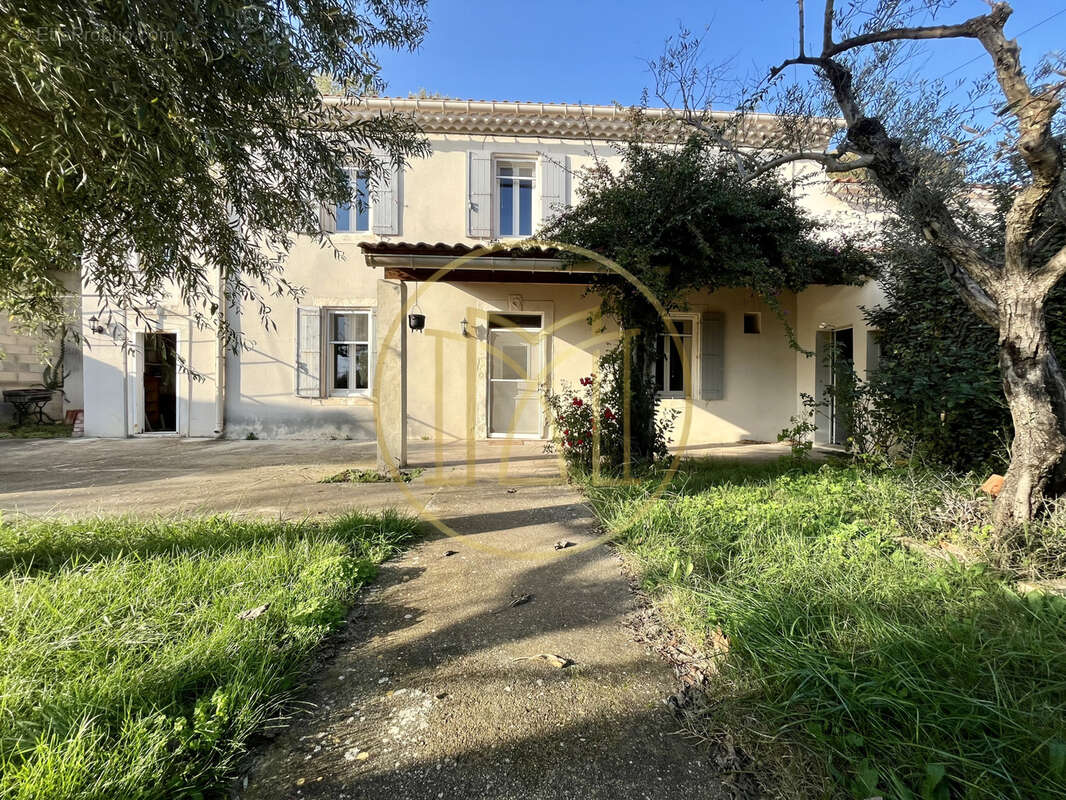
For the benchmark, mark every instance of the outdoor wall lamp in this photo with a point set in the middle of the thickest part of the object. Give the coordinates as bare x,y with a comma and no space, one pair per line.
462,326
94,325
416,320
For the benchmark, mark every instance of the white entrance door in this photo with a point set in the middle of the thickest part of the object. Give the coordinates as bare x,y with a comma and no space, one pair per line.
514,381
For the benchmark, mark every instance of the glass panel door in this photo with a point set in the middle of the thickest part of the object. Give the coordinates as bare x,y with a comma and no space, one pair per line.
514,376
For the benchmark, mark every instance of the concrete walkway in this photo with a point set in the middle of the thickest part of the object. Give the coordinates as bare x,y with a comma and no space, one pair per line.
431,691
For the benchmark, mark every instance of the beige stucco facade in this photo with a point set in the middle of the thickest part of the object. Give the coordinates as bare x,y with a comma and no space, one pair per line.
282,384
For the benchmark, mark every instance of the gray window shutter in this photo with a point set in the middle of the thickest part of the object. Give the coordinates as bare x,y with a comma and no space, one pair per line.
712,355
823,379
553,185
386,211
873,352
308,351
479,195
327,218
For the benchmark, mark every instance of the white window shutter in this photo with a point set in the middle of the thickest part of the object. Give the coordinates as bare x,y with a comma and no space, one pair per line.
553,185
308,351
386,211
479,195
712,355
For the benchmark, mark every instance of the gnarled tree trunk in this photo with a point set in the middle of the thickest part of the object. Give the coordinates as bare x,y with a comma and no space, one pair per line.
1007,290
1036,393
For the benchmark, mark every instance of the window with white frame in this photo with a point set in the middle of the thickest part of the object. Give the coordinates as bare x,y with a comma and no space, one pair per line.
354,217
348,342
514,197
673,367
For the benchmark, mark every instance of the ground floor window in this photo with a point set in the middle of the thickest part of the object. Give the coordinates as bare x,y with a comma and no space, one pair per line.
673,367
348,351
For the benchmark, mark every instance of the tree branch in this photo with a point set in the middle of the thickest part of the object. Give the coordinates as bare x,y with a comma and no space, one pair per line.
1037,144
970,29
971,292
827,26
830,162
811,61
1053,271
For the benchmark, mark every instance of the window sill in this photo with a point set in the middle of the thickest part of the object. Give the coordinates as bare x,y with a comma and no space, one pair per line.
353,399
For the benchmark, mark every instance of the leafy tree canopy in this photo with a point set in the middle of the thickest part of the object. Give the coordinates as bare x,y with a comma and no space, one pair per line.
187,133
680,217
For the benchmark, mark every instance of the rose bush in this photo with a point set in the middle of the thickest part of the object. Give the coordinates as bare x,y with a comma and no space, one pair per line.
593,409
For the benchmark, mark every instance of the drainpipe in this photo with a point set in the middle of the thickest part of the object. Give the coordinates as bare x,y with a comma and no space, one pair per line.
220,365
189,377
125,376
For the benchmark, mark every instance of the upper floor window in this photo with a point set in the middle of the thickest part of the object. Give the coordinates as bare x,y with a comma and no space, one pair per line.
349,351
354,217
673,367
514,191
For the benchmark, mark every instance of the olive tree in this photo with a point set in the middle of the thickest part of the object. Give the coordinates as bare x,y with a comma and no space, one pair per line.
926,155
153,147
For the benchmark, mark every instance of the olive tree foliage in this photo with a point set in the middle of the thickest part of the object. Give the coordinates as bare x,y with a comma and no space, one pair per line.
161,148
679,217
925,153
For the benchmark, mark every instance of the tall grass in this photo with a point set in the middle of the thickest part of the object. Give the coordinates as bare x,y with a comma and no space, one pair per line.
125,671
889,674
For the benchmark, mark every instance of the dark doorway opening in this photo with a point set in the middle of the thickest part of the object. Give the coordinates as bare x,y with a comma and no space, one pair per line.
160,382
843,356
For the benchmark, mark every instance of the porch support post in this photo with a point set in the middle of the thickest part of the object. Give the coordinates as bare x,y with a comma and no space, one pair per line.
391,377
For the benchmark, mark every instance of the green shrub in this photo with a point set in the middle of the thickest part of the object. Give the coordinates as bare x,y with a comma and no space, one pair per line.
588,422
939,370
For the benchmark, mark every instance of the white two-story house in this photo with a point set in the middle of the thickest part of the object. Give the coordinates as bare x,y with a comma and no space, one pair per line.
497,325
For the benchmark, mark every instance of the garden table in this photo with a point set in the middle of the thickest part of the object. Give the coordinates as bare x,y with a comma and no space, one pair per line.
29,403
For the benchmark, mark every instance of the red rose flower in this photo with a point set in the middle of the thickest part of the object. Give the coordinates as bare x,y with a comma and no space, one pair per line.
578,402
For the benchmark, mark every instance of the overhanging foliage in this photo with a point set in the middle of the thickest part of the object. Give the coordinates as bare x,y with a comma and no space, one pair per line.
188,133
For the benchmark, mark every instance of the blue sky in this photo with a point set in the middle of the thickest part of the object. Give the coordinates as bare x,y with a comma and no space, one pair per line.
595,52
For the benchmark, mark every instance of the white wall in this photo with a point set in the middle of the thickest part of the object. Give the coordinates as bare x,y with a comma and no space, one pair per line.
763,376
113,383
260,390
827,308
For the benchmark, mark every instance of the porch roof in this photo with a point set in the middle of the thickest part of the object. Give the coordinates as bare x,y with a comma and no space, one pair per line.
421,261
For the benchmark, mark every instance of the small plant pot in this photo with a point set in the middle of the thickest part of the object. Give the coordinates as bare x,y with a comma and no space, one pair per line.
416,322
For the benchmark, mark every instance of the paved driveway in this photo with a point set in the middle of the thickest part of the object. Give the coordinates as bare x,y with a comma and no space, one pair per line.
271,478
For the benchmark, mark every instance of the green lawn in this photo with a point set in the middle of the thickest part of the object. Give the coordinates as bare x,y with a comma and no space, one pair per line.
125,671
854,667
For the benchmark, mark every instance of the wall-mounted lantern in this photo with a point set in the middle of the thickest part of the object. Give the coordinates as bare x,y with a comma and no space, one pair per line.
416,320
462,326
94,325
